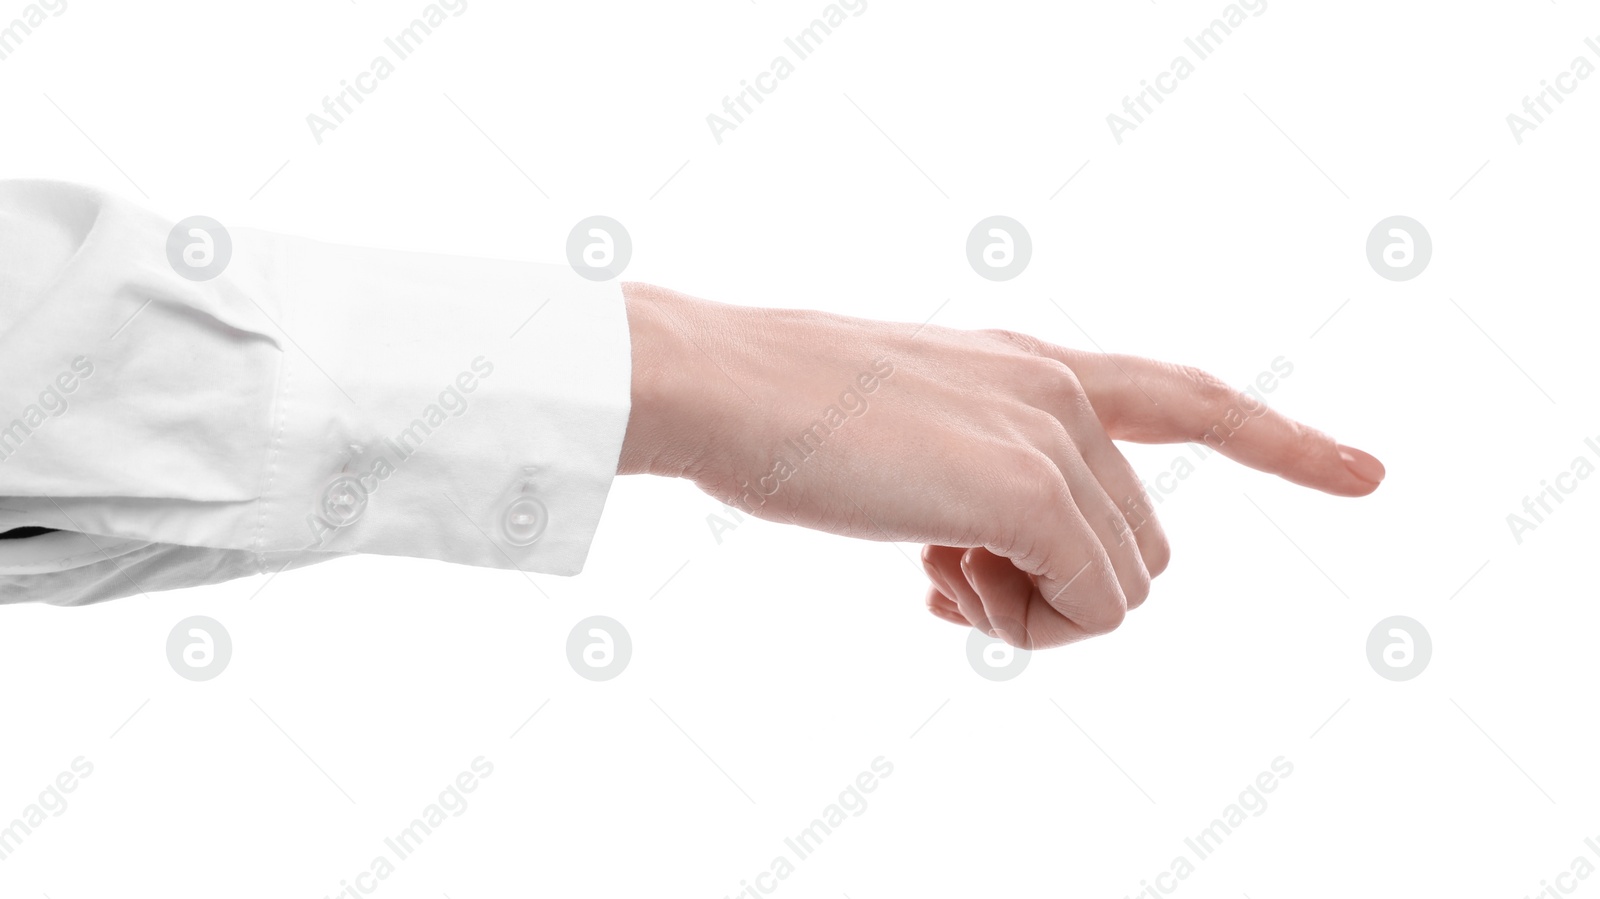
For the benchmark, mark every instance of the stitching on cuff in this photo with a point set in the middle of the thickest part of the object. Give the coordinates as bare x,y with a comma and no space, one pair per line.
269,476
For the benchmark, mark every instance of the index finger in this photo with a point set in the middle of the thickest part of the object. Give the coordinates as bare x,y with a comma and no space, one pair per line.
1146,401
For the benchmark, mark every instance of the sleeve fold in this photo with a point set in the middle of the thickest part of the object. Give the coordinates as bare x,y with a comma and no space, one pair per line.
215,402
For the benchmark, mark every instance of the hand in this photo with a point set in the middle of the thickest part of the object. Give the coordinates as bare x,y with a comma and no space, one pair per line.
993,448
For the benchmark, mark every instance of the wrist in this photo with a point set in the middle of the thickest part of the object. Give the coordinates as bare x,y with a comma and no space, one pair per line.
666,435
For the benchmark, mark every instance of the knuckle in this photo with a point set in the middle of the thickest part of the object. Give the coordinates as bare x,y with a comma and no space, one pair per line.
1214,393
1038,505
1040,480
1159,555
1307,445
1147,532
1019,637
1051,505
1044,432
1105,619
932,558
1139,512
1049,369
1138,590
1050,378
1016,339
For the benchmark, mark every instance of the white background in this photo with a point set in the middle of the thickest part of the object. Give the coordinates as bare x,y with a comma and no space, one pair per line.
776,664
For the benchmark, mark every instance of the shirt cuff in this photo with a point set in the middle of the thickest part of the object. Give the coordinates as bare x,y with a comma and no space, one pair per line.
300,399
459,409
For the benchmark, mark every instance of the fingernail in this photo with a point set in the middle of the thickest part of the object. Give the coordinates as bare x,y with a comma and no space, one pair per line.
1363,465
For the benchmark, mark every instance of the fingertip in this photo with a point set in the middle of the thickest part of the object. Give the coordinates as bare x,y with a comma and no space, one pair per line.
1363,467
940,605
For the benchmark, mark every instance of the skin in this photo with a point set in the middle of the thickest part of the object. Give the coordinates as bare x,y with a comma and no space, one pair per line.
992,448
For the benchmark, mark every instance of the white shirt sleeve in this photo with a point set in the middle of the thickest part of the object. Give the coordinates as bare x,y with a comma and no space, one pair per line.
188,406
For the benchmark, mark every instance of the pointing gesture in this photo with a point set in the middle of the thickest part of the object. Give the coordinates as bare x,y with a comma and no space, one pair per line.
993,448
